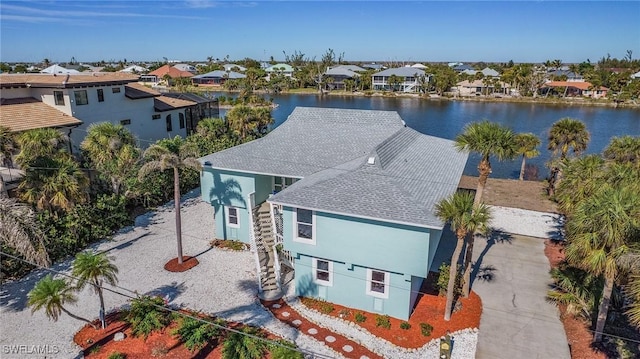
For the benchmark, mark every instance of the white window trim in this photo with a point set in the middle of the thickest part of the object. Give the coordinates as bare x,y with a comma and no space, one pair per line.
229,224
314,265
387,277
313,228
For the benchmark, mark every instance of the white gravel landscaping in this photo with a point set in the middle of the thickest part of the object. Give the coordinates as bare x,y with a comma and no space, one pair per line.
526,222
464,341
223,284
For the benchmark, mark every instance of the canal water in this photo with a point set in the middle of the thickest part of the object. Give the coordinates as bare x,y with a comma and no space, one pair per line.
446,119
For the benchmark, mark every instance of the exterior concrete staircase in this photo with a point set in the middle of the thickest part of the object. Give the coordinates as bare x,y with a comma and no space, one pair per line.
265,242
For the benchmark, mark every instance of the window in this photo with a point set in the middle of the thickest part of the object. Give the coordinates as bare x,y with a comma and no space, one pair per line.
233,217
115,89
377,283
100,95
322,272
169,127
59,98
304,228
181,120
156,117
125,122
81,97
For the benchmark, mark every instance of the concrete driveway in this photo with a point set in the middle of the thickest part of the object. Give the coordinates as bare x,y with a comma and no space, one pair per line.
516,321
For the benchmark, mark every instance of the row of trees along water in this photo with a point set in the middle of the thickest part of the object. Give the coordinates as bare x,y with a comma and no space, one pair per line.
599,196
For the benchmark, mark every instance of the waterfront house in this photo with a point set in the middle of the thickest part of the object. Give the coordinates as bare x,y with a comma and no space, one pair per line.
167,72
573,89
481,87
216,78
75,101
354,68
337,75
282,69
340,200
410,79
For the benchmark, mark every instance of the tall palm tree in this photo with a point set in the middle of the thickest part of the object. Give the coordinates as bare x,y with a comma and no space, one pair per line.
240,120
8,146
464,217
583,177
161,158
527,146
52,295
95,269
19,230
599,235
54,184
486,139
564,135
625,149
113,151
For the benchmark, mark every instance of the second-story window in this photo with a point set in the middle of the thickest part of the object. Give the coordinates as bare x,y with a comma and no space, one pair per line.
100,95
169,126
181,119
81,97
304,226
58,97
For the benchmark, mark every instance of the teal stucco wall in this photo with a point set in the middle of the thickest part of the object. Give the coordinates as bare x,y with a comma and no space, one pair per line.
355,244
226,188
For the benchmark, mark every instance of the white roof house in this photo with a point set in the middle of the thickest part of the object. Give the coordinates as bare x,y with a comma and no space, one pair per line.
186,67
134,69
57,69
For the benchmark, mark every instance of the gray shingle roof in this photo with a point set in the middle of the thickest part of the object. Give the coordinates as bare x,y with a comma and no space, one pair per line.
310,140
401,71
220,74
339,71
412,172
330,149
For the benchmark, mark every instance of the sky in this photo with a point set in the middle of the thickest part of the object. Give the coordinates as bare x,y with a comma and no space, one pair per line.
382,31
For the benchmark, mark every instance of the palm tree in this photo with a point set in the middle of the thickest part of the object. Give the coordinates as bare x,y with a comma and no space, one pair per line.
112,149
8,146
566,134
240,121
583,177
598,236
464,217
633,291
161,158
52,295
41,142
19,230
526,145
95,269
54,184
486,139
625,149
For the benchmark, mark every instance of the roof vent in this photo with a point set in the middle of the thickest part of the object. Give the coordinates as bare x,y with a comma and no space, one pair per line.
371,160
207,163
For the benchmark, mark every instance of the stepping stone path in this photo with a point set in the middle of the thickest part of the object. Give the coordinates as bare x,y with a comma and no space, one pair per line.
297,322
286,314
330,339
312,331
276,306
347,348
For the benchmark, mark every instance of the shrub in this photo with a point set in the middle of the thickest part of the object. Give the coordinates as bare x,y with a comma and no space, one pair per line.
146,315
326,307
360,317
95,349
284,351
383,321
195,334
117,355
405,325
243,346
229,244
426,329
443,281
344,313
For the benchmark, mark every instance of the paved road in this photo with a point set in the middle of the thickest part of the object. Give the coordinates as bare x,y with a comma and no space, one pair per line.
517,322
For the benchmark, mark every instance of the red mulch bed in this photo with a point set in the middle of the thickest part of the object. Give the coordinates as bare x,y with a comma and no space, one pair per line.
577,329
99,344
429,309
187,263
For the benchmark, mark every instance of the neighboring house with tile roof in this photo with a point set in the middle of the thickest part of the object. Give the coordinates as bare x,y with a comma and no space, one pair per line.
349,215
573,89
160,73
409,76
75,101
